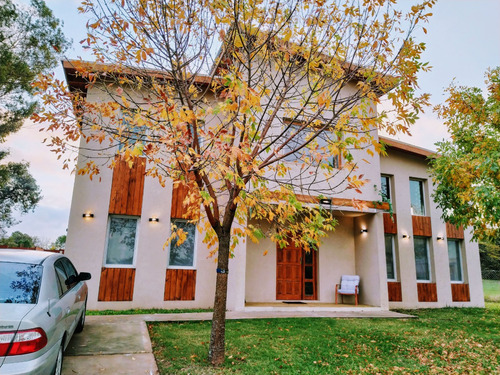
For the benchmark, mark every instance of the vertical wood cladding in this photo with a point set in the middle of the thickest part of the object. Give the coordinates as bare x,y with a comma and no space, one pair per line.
116,284
180,285
460,292
127,187
422,226
453,231
179,211
390,223
394,290
427,292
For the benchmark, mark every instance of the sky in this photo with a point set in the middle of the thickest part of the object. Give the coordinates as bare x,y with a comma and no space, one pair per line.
463,41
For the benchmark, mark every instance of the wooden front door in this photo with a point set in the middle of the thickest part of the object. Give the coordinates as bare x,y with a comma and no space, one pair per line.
295,274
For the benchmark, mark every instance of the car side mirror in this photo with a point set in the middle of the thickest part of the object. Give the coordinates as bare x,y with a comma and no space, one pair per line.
71,280
84,276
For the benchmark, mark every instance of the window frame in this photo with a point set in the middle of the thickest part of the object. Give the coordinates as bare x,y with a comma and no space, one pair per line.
422,197
389,187
193,266
335,161
461,262
134,257
429,263
394,262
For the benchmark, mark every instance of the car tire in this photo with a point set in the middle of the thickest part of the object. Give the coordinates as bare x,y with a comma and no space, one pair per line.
81,322
59,361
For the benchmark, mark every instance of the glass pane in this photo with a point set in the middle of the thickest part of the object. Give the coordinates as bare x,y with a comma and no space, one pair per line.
421,259
309,257
19,282
121,241
308,288
308,272
183,254
384,187
62,276
417,197
455,260
389,257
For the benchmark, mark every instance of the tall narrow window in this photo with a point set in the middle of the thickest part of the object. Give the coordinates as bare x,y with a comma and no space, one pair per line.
390,257
417,197
182,255
455,257
385,188
122,236
422,259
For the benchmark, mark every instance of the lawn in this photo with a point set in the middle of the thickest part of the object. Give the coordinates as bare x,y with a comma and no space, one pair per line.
491,290
145,311
450,341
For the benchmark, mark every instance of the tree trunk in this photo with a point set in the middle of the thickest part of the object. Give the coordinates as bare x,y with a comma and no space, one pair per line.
218,336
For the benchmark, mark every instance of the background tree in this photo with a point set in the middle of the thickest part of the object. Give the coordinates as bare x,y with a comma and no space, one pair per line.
30,42
18,239
467,174
60,242
248,103
489,253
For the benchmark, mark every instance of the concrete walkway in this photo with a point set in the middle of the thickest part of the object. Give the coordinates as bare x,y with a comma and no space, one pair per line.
120,344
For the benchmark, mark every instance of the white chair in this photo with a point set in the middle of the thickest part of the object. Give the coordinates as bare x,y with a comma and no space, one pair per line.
349,284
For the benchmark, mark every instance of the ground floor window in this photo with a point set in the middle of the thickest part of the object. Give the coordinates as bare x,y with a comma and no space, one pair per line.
182,255
422,259
455,257
390,257
121,241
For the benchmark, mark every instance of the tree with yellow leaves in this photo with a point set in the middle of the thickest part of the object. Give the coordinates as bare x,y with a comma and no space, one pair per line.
260,107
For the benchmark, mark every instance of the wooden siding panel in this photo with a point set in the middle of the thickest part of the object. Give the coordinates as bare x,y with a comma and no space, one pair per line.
452,231
180,285
390,223
422,226
427,292
127,188
460,292
179,211
394,290
116,284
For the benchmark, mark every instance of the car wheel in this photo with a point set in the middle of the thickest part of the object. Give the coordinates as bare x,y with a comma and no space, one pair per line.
59,361
81,322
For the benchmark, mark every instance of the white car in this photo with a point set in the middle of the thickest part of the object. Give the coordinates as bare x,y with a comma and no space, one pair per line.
42,303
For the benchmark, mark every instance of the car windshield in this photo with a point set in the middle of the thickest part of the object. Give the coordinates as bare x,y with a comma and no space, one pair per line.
19,282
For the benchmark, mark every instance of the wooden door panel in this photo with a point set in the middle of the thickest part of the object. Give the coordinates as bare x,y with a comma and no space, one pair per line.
289,274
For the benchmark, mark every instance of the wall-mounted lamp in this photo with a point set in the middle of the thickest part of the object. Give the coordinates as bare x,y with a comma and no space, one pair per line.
88,216
406,236
325,201
154,219
440,238
364,230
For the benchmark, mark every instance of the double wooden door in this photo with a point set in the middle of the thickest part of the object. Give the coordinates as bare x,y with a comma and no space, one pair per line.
296,274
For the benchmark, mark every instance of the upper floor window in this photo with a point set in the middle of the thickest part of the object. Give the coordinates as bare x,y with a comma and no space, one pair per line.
182,255
315,149
385,188
417,197
132,133
122,240
455,258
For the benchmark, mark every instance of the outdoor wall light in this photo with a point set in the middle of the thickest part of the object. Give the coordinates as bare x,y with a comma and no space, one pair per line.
440,238
364,230
406,236
154,219
325,201
88,215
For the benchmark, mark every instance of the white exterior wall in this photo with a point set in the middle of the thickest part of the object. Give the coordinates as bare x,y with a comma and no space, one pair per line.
401,167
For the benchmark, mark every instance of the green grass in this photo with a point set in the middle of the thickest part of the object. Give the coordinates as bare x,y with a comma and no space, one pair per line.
450,340
145,311
491,290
